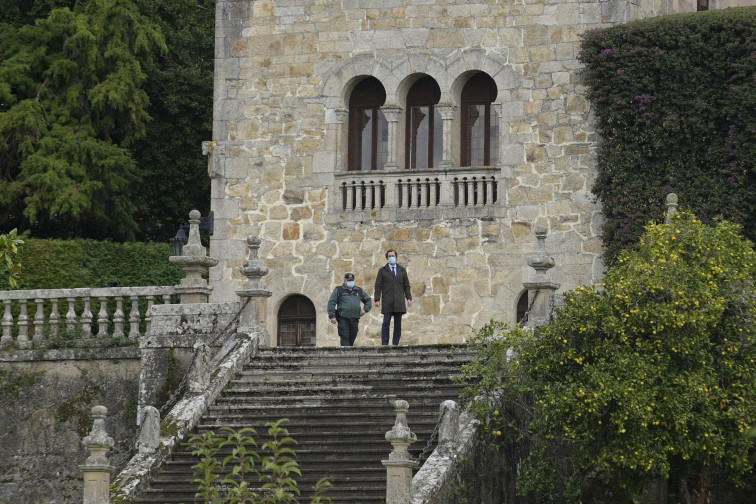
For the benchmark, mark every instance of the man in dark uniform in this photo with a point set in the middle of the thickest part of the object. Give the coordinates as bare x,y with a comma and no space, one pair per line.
345,307
393,286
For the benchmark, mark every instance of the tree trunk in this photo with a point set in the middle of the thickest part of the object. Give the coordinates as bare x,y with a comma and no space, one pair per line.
702,486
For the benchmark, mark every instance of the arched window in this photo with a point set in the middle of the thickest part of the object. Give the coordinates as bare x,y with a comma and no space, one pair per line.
480,125
368,129
424,126
296,322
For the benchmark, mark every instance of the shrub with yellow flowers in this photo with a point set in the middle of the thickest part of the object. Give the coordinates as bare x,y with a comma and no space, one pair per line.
650,379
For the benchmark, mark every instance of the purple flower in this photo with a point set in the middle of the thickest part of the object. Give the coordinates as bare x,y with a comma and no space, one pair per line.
620,71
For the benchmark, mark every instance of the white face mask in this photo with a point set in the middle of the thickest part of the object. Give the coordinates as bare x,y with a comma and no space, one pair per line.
392,260
350,284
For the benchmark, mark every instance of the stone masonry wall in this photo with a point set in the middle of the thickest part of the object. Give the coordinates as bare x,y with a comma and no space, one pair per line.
284,71
46,411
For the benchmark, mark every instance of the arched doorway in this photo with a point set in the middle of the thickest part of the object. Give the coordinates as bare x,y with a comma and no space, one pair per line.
522,307
296,322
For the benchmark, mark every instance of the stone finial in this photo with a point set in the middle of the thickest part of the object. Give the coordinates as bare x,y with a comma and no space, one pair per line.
253,296
199,376
540,260
98,437
193,245
399,466
541,290
149,434
400,435
194,261
671,206
96,468
448,428
253,269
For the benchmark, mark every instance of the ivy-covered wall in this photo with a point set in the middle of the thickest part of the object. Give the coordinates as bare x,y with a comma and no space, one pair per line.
46,409
675,104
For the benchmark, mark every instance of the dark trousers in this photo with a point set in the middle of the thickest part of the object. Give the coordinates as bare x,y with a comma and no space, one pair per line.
348,330
397,327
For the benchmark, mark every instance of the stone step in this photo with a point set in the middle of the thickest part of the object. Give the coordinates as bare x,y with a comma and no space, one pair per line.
378,392
339,405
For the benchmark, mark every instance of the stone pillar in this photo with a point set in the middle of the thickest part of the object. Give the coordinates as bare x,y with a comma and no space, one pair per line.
194,261
541,291
7,337
253,297
341,115
96,468
448,427
671,206
497,109
149,434
392,114
446,111
399,465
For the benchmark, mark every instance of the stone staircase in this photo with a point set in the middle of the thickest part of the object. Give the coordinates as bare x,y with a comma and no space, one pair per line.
339,405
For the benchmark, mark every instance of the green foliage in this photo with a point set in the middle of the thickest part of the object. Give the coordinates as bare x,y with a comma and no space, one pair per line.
10,263
651,376
71,103
56,264
180,87
276,467
675,105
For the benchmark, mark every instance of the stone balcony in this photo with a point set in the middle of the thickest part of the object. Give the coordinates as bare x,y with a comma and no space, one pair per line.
417,195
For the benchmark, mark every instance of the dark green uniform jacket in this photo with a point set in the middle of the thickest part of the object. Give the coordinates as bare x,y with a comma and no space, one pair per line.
346,302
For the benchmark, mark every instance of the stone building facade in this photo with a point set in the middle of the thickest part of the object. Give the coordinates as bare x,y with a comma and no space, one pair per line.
447,130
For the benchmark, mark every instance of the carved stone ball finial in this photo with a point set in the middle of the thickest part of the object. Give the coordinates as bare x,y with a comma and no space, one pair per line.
194,261
671,205
540,260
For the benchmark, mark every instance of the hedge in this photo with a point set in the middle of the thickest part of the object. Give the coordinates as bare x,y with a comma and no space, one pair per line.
53,264
675,104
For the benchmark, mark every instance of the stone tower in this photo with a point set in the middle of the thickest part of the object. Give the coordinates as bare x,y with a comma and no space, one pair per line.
447,130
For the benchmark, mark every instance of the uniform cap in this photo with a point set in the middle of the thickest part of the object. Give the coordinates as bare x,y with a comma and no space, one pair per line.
349,276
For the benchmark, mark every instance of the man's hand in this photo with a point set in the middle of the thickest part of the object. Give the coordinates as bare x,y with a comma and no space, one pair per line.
333,321
362,312
409,302
378,304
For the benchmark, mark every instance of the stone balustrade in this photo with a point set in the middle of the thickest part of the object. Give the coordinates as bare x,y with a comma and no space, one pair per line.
385,192
32,317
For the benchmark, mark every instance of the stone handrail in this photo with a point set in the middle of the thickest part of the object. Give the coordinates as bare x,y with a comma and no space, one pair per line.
47,321
431,484
184,416
408,189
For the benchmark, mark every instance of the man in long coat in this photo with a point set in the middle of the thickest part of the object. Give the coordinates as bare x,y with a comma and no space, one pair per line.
392,287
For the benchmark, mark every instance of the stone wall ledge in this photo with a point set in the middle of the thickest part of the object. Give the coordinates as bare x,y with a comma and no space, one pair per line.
435,214
82,292
69,354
